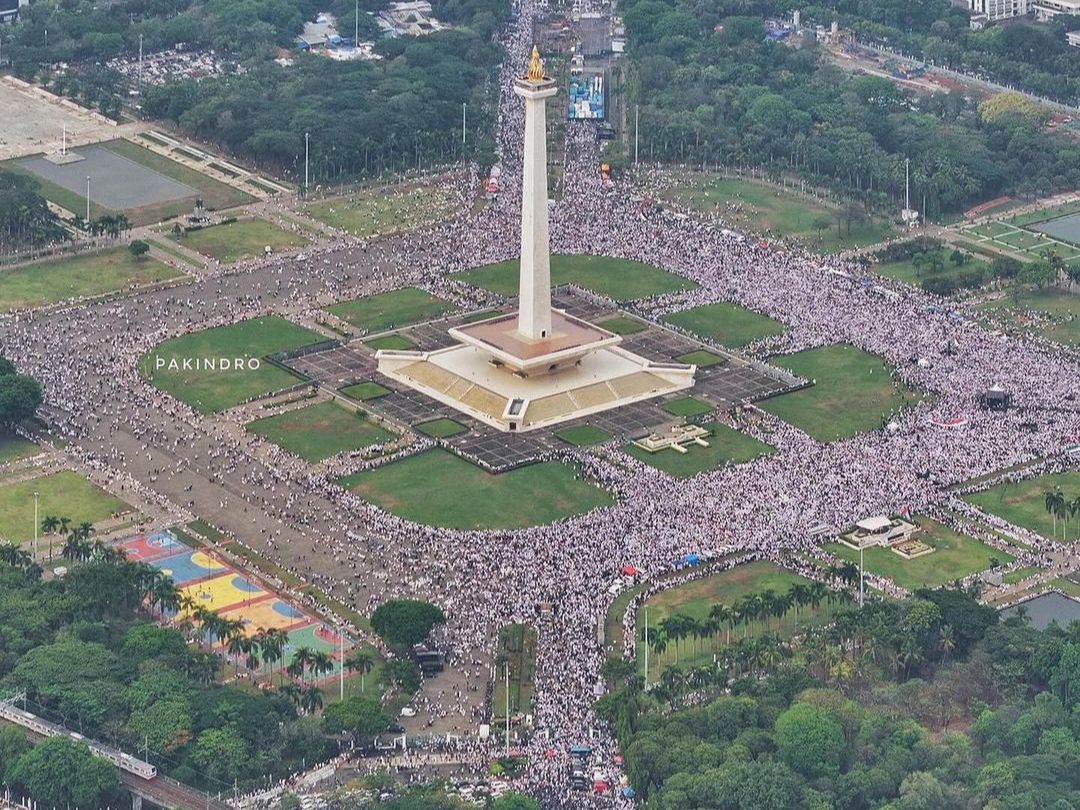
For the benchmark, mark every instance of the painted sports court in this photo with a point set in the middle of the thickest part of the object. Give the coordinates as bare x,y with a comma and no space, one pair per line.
213,583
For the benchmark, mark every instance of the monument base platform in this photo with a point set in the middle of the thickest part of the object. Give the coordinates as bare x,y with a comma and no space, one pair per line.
465,378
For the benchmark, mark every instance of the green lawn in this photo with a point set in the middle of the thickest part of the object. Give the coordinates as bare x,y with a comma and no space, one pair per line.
392,342
687,406
1024,503
619,279
245,238
13,447
623,325
905,270
726,446
383,211
440,489
727,324
1063,309
441,428
702,358
954,557
583,435
1020,574
320,430
63,494
365,390
769,210
215,390
852,393
376,313
87,274
696,598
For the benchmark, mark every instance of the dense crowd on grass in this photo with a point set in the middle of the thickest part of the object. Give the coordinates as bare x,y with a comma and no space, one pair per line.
712,89
927,703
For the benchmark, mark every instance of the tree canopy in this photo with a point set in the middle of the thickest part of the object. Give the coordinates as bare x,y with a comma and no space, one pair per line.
405,622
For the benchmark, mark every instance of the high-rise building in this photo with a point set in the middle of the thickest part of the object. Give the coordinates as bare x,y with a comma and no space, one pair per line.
9,9
994,10
1048,9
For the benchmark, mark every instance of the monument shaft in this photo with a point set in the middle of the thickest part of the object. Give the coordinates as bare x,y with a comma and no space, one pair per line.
534,292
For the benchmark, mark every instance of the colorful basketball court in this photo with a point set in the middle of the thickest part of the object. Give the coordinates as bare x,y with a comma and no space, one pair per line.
215,584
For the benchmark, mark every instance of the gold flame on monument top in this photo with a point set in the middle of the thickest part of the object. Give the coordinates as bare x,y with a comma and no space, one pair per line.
536,67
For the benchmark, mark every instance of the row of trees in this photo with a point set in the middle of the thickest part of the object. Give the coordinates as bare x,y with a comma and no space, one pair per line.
25,217
725,95
1061,508
861,713
745,612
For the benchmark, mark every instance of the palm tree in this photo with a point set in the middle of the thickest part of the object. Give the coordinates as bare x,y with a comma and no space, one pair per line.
291,691
64,523
273,645
360,660
74,548
236,645
910,653
720,615
1054,500
658,642
1074,509
297,667
321,663
50,524
767,606
800,595
311,699
671,627
946,641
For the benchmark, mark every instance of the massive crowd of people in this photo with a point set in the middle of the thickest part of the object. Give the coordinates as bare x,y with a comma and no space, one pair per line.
87,357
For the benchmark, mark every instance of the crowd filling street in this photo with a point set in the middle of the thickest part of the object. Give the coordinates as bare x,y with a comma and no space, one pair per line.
86,357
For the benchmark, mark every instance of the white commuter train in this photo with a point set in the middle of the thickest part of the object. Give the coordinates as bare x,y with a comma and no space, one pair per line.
125,762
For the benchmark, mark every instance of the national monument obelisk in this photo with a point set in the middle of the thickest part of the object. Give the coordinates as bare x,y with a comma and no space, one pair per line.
534,291
537,366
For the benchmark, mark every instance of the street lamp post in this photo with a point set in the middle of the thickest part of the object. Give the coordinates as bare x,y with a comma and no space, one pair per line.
87,199
646,648
36,529
306,144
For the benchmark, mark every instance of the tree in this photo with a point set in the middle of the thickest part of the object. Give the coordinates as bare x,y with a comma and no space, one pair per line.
139,248
20,396
221,752
13,745
810,740
405,622
62,773
311,699
361,717
361,660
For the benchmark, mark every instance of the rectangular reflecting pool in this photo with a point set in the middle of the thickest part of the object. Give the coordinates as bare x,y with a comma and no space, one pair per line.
1049,607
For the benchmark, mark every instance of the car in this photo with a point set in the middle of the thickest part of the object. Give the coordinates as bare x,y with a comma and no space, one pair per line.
408,711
